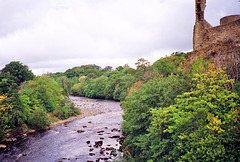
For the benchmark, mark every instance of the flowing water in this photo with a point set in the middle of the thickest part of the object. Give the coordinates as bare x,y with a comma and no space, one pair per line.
93,138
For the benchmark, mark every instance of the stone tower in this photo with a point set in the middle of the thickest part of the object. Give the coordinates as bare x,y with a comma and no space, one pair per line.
200,7
220,44
201,25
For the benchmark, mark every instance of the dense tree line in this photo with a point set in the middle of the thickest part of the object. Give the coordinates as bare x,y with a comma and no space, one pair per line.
30,102
173,110
94,82
188,114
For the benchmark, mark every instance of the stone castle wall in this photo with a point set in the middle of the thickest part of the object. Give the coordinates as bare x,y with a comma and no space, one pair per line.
229,19
221,33
221,44
204,34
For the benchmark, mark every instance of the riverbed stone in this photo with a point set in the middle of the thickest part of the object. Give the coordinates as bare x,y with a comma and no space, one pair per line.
110,148
91,149
115,130
92,154
121,148
115,136
104,159
100,131
98,143
114,153
80,131
102,150
121,140
2,147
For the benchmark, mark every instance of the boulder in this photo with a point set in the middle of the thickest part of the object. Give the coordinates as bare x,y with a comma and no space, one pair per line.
98,143
2,147
80,131
91,154
114,137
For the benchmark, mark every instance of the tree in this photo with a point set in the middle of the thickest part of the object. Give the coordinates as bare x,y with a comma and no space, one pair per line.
159,92
39,119
96,87
5,109
203,125
142,64
7,84
107,68
44,90
164,66
122,83
19,71
119,68
65,83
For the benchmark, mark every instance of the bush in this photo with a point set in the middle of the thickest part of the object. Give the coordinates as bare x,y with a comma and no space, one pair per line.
66,109
137,106
203,125
38,119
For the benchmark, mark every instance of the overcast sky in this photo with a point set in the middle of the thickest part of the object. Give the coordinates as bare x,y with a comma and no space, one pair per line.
55,35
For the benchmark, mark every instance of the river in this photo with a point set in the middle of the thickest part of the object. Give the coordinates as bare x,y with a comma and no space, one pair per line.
92,138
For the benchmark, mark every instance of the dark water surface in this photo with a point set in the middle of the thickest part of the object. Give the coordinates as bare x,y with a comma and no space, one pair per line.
93,138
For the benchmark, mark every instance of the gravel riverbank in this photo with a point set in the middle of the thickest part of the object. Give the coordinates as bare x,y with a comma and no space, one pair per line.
94,135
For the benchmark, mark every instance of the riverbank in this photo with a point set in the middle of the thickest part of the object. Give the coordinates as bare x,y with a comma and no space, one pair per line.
94,135
84,113
88,107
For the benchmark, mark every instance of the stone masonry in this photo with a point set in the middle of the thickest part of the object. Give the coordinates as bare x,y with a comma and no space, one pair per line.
221,43
204,34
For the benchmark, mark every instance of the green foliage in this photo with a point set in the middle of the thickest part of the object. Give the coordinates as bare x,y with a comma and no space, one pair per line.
164,66
66,109
76,89
65,83
237,88
142,64
13,117
42,91
109,85
128,70
5,110
122,84
44,95
203,125
12,76
28,101
19,71
200,66
38,119
107,68
83,71
7,84
80,87
159,92
168,65
96,87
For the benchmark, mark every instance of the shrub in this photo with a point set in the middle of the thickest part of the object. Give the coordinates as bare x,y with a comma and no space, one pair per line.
38,119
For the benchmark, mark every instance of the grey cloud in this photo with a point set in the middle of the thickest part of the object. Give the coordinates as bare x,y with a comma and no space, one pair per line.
45,32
